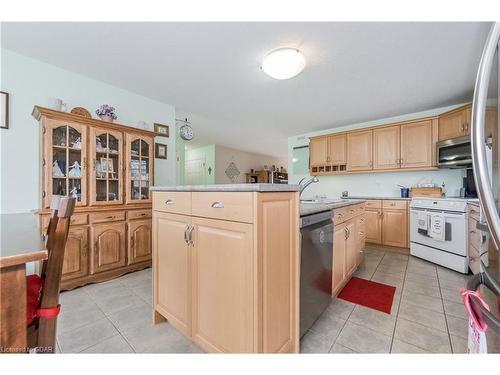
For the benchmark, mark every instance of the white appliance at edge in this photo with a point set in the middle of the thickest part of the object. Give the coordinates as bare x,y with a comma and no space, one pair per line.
439,232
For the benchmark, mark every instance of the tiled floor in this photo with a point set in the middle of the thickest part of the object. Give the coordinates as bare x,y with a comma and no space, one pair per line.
115,317
427,314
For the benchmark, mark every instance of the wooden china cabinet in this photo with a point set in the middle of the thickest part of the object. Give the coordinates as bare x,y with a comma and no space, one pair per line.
108,167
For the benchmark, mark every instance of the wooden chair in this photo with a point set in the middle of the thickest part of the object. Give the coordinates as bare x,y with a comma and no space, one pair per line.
43,291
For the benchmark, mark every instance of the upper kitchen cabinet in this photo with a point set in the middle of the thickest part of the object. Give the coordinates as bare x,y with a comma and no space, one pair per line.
318,151
418,141
337,149
455,123
359,151
386,148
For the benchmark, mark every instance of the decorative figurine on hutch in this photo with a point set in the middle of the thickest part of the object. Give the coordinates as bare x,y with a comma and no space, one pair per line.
98,146
75,170
77,144
106,113
74,192
56,170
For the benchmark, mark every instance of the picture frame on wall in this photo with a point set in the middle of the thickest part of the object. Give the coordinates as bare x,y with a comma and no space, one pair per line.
4,110
162,130
160,151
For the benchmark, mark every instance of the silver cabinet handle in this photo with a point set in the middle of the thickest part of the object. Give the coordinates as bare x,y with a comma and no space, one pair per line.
190,235
217,205
478,120
186,239
169,202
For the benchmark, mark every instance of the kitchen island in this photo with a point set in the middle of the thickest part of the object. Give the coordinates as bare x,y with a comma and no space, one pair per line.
226,265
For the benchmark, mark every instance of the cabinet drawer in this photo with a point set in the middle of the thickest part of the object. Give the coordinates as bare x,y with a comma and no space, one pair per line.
340,215
373,203
473,211
394,204
176,202
106,217
223,205
76,219
475,235
360,225
139,214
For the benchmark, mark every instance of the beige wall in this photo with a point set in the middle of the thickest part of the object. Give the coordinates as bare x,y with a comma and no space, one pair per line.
244,162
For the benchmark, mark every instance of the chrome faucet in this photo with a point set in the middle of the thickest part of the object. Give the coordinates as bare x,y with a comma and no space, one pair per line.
311,180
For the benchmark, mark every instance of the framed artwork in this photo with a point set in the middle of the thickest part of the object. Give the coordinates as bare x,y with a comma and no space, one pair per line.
162,130
160,151
4,110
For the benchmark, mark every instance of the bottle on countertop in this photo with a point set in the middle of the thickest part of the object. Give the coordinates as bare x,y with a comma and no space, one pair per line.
443,190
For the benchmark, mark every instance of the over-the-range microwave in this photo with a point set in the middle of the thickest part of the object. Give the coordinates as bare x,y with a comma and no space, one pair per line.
454,153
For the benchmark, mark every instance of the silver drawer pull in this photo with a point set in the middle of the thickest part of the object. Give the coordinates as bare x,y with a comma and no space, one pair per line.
217,205
169,202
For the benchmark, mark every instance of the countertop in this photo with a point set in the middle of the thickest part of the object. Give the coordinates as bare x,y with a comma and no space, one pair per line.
229,187
371,197
314,208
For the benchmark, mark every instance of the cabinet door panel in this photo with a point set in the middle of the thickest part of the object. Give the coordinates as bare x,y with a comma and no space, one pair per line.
337,149
395,228
139,241
359,151
223,286
339,261
139,168
75,254
108,247
318,151
417,144
351,246
373,226
452,125
386,148
172,269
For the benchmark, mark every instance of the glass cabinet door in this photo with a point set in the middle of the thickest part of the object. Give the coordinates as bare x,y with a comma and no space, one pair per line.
139,168
66,161
106,149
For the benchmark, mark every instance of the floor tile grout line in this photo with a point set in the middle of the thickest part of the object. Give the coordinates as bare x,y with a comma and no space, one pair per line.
445,316
343,326
399,306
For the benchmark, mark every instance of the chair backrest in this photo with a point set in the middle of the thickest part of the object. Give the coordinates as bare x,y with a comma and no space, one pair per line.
56,243
51,228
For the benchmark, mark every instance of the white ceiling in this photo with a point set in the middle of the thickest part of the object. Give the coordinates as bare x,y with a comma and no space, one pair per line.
210,71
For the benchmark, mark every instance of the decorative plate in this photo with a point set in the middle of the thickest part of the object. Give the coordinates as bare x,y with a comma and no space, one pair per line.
80,111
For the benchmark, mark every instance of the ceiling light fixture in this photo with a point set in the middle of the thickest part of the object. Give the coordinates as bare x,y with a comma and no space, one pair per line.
283,63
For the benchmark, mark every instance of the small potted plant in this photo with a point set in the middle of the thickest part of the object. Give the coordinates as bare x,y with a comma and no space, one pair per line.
106,113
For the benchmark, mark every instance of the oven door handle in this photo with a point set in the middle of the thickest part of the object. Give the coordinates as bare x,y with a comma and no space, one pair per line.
485,278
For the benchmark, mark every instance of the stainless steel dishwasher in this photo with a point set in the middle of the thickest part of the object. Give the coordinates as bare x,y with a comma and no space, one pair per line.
316,232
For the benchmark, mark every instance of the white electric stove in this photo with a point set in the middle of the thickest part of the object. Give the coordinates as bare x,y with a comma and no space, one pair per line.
439,232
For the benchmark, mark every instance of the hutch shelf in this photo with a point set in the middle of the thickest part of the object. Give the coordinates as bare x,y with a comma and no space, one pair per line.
108,168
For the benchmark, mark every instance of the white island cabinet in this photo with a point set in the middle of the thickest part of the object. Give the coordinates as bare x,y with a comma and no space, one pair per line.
226,265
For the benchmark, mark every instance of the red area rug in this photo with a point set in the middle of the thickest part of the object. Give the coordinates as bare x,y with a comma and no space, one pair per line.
369,293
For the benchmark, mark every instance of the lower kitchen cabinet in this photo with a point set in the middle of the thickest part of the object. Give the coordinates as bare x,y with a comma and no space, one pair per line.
172,269
348,244
139,241
108,247
229,281
76,254
222,285
387,225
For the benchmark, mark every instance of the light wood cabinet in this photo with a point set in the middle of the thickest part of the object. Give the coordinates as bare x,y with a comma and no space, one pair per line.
348,244
318,151
229,282
386,148
75,254
373,225
394,224
339,261
418,144
139,241
454,124
387,225
108,247
359,151
337,149
172,269
108,167
222,285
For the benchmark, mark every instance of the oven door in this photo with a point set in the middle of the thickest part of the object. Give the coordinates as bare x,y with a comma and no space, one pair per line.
455,232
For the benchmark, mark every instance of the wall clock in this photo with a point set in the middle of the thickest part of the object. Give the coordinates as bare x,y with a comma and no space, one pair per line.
186,131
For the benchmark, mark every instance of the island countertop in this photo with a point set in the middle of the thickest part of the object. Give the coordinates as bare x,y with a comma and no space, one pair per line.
314,208
229,187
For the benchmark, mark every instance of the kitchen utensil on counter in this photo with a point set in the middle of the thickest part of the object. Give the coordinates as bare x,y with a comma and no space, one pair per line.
405,192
